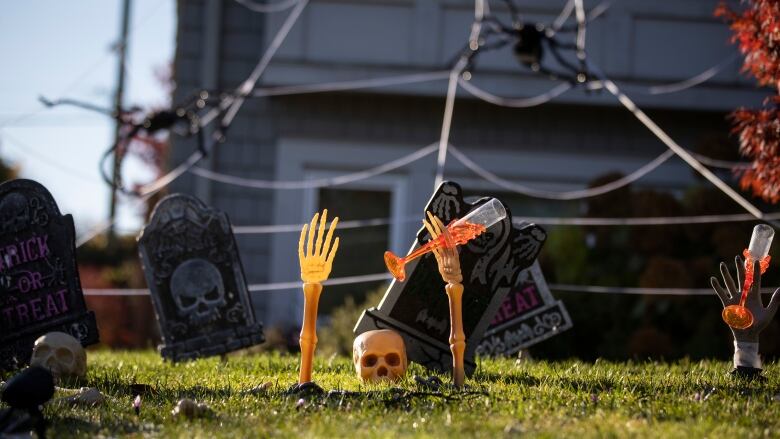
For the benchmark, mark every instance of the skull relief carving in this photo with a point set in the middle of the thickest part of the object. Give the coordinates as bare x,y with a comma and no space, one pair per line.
198,290
62,354
379,355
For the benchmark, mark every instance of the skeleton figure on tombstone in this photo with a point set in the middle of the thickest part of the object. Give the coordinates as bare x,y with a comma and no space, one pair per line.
448,261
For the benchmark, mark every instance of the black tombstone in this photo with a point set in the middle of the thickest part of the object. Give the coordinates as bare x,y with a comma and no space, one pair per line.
40,290
197,283
418,308
528,315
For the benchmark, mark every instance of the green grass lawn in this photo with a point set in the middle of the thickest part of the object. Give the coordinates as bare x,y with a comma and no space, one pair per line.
548,399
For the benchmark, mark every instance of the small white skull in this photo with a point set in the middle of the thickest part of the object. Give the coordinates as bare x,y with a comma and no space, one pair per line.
62,354
379,355
190,409
198,291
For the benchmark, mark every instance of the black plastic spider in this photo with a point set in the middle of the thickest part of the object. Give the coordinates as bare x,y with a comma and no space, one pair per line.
531,45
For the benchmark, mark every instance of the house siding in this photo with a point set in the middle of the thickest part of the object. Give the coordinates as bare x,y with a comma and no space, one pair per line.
638,43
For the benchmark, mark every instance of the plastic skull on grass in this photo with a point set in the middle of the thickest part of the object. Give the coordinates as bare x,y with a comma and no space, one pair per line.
379,355
61,354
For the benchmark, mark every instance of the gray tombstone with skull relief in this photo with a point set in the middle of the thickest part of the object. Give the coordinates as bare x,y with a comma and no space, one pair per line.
196,279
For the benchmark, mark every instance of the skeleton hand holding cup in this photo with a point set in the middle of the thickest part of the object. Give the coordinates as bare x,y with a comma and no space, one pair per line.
447,256
449,267
316,263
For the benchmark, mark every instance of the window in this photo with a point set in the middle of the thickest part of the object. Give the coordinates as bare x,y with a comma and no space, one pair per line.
361,248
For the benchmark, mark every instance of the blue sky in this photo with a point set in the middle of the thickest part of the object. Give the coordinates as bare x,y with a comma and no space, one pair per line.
61,49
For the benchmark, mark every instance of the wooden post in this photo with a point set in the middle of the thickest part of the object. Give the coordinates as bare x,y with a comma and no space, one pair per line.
118,105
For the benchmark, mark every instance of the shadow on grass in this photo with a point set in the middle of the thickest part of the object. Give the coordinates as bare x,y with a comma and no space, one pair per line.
513,378
630,384
114,385
76,427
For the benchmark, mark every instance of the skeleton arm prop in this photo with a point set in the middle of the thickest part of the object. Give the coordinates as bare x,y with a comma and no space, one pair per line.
449,269
316,263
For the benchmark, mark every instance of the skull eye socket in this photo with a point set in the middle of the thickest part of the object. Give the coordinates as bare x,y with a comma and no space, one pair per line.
212,295
187,301
64,355
393,359
369,360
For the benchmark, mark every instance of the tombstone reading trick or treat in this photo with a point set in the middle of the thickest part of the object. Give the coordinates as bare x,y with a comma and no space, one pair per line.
528,315
40,290
194,273
491,263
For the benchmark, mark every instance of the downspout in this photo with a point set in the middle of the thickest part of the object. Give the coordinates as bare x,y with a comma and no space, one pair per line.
209,74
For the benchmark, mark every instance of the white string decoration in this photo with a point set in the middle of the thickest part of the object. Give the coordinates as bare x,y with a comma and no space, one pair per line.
352,280
265,8
515,102
680,151
356,84
319,182
570,195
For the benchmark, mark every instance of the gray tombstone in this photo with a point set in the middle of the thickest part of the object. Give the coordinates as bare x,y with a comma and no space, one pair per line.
528,315
491,264
194,273
40,289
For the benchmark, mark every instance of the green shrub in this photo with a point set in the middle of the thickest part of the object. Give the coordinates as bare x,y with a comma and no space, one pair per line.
337,337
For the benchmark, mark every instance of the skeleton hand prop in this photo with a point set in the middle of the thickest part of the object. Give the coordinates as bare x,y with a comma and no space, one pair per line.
446,257
746,340
449,267
316,264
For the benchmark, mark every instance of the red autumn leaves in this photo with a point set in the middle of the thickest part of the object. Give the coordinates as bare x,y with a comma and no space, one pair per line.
757,31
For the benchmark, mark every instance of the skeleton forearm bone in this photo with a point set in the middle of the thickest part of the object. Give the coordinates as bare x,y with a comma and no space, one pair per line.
457,337
308,338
